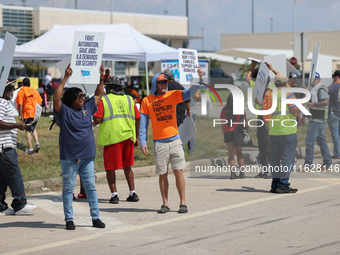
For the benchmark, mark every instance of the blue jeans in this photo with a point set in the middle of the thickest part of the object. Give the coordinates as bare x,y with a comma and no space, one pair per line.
333,123
316,133
10,176
70,170
283,150
191,143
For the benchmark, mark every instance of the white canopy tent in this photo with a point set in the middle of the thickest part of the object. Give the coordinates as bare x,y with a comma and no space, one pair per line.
122,43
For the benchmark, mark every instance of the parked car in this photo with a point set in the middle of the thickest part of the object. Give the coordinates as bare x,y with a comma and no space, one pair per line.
218,76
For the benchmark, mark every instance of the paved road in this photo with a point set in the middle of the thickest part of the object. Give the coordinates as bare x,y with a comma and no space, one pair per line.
225,217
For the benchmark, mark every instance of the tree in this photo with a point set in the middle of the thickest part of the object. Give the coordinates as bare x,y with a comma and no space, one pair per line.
245,68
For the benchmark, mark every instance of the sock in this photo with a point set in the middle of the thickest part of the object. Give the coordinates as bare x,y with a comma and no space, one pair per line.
114,194
131,192
36,144
30,149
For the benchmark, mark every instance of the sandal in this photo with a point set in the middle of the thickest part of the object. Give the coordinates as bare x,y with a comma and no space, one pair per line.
183,209
164,209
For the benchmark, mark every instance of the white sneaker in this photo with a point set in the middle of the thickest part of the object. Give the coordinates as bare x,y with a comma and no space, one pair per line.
26,209
8,211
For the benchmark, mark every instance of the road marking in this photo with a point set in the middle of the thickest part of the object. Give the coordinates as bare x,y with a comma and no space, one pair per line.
158,223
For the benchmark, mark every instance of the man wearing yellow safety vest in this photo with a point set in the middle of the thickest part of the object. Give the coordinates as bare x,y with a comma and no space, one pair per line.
118,119
262,132
318,107
282,135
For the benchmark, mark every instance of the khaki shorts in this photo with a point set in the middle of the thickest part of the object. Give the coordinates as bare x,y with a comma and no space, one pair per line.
169,152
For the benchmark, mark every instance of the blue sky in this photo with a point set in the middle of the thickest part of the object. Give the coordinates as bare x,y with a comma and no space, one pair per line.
218,17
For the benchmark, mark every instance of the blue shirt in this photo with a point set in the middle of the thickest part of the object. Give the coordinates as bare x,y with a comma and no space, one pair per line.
76,140
334,99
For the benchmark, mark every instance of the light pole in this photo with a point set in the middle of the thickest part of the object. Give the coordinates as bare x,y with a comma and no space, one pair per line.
294,20
23,2
271,25
111,12
252,16
187,12
76,4
166,12
202,29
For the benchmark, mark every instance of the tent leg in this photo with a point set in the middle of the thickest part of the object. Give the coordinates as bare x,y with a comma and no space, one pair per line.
147,78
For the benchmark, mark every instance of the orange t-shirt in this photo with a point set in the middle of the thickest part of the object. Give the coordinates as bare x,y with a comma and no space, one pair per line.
162,112
28,98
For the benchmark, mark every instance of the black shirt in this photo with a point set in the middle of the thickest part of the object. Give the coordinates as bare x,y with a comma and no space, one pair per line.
180,108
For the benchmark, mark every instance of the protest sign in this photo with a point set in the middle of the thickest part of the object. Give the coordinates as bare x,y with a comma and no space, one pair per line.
324,68
173,66
6,59
278,62
261,81
313,65
86,57
87,88
292,70
255,60
187,130
188,64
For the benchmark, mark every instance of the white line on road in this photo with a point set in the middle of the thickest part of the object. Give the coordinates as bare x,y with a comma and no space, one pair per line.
158,223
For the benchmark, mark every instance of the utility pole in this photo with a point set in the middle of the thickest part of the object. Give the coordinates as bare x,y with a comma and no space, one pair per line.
166,12
187,12
252,16
76,6
271,25
111,12
202,39
23,2
294,21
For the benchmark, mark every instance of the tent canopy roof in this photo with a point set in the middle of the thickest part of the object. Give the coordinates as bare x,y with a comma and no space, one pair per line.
122,43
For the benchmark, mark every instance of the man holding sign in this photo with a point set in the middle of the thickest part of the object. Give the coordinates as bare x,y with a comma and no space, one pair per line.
160,107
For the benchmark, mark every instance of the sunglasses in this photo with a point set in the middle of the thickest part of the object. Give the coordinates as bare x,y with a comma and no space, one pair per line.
161,82
81,96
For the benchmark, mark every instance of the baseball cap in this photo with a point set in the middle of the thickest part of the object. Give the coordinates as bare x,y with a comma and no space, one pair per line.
168,73
281,78
317,75
162,77
113,80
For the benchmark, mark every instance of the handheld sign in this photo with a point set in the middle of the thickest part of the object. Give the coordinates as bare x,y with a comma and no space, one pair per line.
86,57
278,62
188,64
261,81
6,59
314,63
292,70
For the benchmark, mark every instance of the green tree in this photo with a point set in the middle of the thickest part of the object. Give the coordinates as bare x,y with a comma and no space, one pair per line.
245,68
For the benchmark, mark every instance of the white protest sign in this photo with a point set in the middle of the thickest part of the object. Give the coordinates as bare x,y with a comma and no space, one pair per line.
313,65
291,69
255,60
6,59
324,68
188,64
173,65
86,57
278,62
261,82
89,88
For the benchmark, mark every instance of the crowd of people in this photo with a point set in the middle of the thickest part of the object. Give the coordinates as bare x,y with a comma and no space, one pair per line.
278,142
123,119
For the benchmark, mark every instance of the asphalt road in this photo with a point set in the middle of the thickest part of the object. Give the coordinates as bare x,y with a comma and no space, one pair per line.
225,217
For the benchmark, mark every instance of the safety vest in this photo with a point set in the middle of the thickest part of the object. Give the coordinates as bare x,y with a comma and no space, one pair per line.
319,112
118,121
277,127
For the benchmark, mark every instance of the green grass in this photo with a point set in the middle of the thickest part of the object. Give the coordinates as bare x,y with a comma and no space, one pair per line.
45,164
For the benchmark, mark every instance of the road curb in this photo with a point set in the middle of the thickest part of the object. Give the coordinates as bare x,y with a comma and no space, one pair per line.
148,171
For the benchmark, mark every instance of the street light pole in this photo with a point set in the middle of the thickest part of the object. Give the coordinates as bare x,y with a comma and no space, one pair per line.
202,39
252,16
187,12
76,4
111,12
294,21
271,25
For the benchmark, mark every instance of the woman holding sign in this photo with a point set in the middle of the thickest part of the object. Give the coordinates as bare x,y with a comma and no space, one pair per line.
77,146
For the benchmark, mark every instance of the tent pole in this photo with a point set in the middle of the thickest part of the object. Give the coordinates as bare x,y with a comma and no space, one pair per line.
147,78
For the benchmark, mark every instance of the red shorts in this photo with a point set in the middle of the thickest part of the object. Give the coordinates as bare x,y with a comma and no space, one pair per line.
119,155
